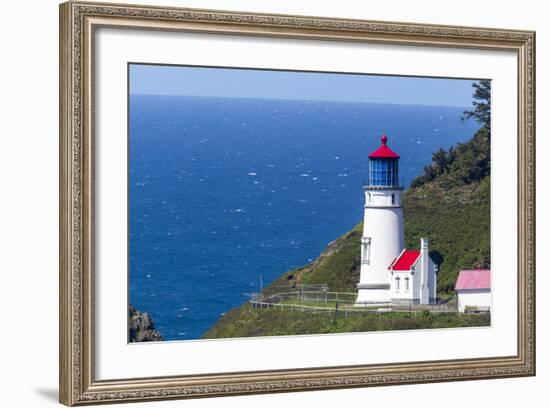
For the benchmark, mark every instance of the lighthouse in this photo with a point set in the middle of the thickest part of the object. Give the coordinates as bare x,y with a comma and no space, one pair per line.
383,232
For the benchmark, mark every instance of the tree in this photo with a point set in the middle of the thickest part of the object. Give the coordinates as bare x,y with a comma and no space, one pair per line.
440,160
466,162
482,104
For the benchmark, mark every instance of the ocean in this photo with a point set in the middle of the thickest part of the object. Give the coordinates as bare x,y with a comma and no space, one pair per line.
223,191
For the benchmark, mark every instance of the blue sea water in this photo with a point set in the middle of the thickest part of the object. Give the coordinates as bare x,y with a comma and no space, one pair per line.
224,190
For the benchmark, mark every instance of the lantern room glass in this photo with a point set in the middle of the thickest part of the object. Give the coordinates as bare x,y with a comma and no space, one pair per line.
383,173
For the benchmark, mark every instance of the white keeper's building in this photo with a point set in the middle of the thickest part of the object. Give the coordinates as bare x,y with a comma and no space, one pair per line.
473,288
389,272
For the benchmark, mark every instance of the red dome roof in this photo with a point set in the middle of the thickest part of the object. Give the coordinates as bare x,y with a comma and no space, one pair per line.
383,152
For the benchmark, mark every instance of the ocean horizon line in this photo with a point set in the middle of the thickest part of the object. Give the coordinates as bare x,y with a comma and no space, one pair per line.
298,100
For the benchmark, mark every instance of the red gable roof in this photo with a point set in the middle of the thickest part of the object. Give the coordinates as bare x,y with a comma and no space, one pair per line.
383,152
474,279
405,260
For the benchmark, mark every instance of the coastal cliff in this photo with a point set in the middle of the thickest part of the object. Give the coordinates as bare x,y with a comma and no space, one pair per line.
141,327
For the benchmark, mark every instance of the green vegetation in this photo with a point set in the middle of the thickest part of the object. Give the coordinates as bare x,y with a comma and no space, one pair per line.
465,163
469,162
449,204
332,304
337,266
482,104
246,321
457,221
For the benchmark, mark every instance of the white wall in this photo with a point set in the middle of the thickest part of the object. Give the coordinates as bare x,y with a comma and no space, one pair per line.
473,297
28,206
384,227
432,280
417,281
403,294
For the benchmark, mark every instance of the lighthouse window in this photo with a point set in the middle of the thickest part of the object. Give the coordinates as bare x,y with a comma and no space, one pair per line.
393,198
397,284
383,172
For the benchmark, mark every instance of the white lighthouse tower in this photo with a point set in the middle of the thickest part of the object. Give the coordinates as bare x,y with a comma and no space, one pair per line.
383,233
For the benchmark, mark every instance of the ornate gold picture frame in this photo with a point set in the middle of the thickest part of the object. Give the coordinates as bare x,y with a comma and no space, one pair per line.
79,22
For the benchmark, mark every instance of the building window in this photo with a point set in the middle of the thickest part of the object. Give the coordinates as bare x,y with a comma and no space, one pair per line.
406,284
397,284
365,250
393,199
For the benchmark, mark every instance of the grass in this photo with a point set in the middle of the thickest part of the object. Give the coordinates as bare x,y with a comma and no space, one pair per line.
251,322
320,303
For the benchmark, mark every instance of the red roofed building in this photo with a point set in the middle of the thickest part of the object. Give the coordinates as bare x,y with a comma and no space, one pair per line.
473,288
405,260
413,276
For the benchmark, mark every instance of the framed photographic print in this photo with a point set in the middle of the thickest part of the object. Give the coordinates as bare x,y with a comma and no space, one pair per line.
263,203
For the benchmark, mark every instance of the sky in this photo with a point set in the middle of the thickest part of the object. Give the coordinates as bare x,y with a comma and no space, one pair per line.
271,84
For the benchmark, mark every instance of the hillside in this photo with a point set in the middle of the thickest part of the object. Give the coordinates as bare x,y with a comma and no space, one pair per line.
246,321
449,204
453,209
